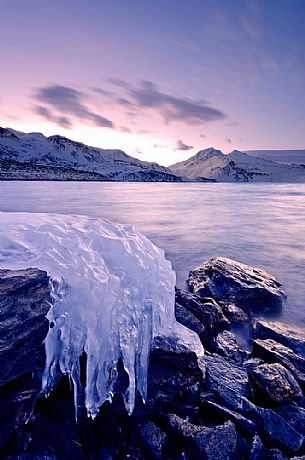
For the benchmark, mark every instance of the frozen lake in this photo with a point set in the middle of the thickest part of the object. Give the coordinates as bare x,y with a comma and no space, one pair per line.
258,224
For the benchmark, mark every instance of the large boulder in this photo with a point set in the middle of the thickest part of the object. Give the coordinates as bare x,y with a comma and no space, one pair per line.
221,411
212,443
226,345
25,299
274,427
248,287
153,437
229,381
24,303
195,313
294,414
173,374
275,383
272,351
286,335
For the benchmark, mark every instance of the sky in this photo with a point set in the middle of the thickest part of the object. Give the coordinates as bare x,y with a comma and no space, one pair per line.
158,79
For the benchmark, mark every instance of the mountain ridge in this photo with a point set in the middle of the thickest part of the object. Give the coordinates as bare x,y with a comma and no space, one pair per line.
286,156
236,166
33,156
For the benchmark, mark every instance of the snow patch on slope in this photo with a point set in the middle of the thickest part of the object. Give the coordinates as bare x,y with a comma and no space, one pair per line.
114,292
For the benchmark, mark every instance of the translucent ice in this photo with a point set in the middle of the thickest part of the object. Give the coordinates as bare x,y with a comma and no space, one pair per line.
113,293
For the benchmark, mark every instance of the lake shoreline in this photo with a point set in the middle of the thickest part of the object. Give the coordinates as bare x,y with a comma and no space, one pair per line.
223,403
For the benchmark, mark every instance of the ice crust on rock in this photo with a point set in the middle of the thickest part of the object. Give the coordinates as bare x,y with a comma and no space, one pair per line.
113,292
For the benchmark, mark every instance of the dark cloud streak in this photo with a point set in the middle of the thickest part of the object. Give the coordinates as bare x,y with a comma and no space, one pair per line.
48,115
182,147
171,108
69,101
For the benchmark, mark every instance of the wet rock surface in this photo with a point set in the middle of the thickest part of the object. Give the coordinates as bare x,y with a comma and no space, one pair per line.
230,404
226,345
24,303
258,450
233,313
275,382
227,280
205,310
280,333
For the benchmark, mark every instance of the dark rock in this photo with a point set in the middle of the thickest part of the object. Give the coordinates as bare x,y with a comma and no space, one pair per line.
233,313
286,335
24,303
173,373
212,443
211,407
226,345
134,454
273,426
243,447
252,363
228,380
45,437
258,450
109,435
189,320
227,280
154,438
207,396
276,454
190,412
206,311
275,382
294,415
272,351
37,456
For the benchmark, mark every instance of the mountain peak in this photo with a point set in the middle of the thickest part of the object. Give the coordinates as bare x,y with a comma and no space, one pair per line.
236,167
208,152
7,133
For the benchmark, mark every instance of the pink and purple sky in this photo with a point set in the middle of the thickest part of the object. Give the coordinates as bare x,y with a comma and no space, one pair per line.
158,79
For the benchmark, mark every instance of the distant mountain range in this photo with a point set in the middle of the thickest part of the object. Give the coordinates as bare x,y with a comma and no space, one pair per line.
237,167
282,156
36,157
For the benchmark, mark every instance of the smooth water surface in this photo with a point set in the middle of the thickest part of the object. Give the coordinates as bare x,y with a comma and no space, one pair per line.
258,224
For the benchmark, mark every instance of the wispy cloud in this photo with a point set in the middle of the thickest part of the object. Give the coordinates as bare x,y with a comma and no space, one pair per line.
161,146
182,146
68,101
48,115
172,108
124,129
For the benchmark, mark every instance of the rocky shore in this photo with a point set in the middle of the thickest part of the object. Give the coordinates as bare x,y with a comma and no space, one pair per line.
235,402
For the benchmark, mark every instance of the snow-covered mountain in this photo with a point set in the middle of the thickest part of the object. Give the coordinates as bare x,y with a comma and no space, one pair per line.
34,156
237,167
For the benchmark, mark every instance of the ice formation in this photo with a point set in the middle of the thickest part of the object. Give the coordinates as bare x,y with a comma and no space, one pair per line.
113,293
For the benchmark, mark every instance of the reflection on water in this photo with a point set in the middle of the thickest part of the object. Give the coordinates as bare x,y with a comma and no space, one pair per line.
258,224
